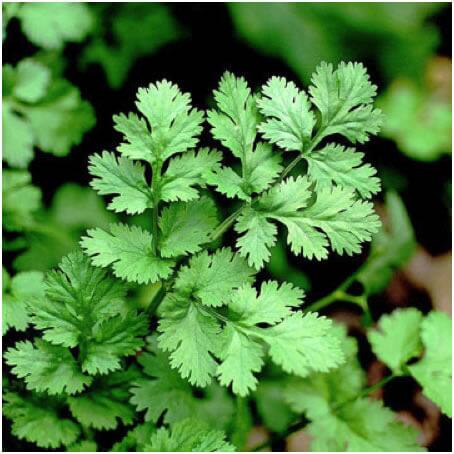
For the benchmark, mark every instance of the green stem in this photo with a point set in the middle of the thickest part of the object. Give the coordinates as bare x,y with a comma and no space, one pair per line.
225,224
155,183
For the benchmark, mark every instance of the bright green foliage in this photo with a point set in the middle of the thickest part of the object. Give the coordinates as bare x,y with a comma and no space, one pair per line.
135,439
434,371
37,109
343,167
290,120
210,279
118,42
20,200
162,391
186,226
420,122
17,292
397,340
341,421
84,307
129,251
188,435
344,98
105,403
46,367
50,25
195,334
39,421
335,218
122,177
391,248
403,335
83,446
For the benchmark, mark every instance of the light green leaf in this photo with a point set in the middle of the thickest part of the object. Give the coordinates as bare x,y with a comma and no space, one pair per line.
228,182
22,288
434,371
46,367
174,125
189,435
211,278
397,339
105,403
344,97
39,421
186,226
186,171
191,335
129,251
289,121
122,177
343,167
31,80
83,446
51,25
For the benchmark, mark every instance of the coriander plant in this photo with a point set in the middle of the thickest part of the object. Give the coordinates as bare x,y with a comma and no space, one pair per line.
181,371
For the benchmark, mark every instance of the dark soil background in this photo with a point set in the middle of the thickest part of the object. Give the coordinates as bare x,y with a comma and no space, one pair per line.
196,62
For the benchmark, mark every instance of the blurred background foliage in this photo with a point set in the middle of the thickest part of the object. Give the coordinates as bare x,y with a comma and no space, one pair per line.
68,67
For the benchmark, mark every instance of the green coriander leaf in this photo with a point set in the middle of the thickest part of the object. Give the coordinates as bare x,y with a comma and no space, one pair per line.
189,435
397,339
290,120
258,237
186,171
344,97
105,403
228,182
434,371
17,138
76,297
129,251
49,119
50,25
135,439
174,125
343,167
22,288
31,80
122,177
46,367
39,421
186,226
211,278
138,142
235,125
83,446
191,335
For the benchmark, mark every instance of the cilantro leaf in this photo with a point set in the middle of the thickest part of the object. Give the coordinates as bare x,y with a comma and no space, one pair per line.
122,177
397,339
129,251
105,403
344,97
83,446
31,80
84,307
189,435
20,200
22,288
46,367
344,167
434,371
191,335
186,171
174,125
39,421
289,121
342,421
186,226
51,25
211,278
228,182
